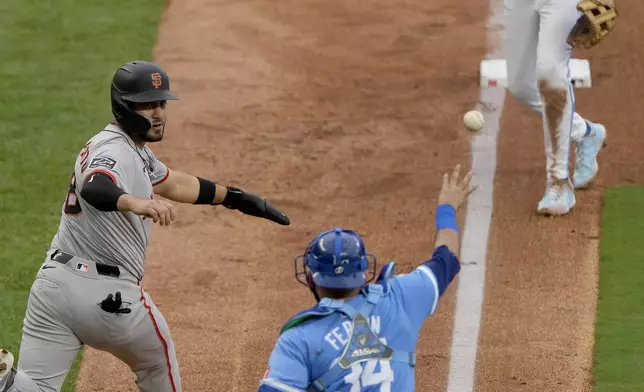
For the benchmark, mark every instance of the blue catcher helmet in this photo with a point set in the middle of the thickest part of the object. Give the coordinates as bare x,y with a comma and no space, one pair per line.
335,259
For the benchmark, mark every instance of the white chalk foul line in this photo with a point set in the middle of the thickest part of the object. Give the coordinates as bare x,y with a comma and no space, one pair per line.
469,300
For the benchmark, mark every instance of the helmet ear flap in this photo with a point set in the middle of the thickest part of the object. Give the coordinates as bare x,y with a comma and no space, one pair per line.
130,120
136,123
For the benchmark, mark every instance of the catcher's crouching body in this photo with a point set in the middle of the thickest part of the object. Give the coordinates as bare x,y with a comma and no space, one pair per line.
362,336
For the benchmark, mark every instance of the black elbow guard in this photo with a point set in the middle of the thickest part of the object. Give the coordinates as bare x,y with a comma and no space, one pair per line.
101,192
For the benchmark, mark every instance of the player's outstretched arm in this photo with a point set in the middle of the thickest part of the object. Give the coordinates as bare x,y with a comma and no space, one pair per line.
186,188
422,289
453,193
444,264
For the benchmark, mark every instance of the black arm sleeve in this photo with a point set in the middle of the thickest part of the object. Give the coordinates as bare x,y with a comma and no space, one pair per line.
207,190
101,192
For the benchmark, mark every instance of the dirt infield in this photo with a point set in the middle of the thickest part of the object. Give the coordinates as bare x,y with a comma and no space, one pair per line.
347,114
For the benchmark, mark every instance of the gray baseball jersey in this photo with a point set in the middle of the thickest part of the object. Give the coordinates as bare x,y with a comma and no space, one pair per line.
115,238
94,254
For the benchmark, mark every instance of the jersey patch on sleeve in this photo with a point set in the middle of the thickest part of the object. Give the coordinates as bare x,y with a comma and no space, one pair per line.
106,162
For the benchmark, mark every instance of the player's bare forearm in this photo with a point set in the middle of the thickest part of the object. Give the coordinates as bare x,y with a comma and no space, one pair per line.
125,202
155,209
449,238
185,188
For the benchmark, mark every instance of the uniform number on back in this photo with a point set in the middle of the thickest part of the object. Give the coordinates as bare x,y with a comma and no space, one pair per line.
371,373
72,206
83,157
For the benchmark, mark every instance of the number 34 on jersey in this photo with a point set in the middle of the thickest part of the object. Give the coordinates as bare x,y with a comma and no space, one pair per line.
371,373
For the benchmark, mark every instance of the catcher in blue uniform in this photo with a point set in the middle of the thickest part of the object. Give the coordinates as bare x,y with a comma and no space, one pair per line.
361,336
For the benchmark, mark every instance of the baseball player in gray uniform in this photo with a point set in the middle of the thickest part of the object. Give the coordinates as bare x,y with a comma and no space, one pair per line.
88,290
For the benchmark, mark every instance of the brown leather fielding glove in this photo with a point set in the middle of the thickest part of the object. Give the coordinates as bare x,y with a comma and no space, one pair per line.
598,19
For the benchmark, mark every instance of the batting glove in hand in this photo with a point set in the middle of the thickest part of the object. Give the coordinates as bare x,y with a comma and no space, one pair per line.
254,205
112,305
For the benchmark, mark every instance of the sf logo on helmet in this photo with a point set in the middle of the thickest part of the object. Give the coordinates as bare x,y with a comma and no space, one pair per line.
157,80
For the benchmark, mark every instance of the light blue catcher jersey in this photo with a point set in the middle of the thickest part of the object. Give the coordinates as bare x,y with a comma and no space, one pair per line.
310,344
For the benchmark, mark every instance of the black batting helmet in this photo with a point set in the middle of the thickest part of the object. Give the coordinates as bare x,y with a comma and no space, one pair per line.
138,82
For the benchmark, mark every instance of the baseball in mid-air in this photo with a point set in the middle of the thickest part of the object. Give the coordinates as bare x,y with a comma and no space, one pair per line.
473,120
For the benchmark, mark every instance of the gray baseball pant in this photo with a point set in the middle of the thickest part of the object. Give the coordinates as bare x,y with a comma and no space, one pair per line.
63,313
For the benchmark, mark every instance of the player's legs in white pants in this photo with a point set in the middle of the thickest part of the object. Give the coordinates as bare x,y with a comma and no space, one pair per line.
537,57
557,17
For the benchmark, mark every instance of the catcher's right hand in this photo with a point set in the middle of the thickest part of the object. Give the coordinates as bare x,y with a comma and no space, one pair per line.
598,19
455,189
254,205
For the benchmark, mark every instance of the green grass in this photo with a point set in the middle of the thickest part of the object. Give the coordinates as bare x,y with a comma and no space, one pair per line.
57,59
619,347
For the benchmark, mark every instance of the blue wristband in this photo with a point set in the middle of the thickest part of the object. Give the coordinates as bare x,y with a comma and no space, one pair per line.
446,217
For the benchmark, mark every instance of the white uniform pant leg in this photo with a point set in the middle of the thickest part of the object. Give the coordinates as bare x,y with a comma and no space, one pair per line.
557,17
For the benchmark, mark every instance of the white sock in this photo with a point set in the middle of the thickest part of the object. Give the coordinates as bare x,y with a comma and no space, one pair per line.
580,128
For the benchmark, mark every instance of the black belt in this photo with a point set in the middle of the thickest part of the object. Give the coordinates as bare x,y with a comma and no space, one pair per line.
102,269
